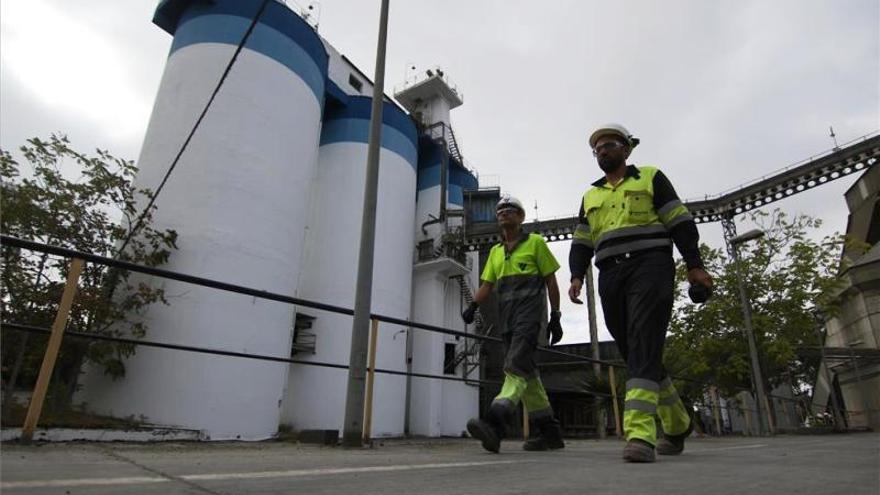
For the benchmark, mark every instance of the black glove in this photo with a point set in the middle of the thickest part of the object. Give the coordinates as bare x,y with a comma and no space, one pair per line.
468,314
554,328
699,293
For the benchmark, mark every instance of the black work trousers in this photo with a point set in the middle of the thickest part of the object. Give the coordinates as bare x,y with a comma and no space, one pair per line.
520,346
637,296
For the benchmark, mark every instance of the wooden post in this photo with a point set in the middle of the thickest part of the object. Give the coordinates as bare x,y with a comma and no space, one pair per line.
747,415
601,419
39,395
525,422
613,382
771,426
714,392
371,376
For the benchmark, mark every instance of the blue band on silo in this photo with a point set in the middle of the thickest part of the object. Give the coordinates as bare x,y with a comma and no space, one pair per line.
335,94
351,123
281,34
361,107
455,195
358,131
428,177
430,159
460,178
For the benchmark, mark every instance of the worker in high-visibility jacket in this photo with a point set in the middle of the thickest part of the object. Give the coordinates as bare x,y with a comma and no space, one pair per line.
629,219
522,271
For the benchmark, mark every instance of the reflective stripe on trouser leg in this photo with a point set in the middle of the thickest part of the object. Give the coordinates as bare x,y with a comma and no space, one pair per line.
535,400
640,408
512,390
670,408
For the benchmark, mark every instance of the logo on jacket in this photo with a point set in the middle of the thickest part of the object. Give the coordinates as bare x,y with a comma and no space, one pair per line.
522,266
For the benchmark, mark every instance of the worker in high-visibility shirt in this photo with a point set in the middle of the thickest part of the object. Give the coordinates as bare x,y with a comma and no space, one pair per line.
522,270
630,218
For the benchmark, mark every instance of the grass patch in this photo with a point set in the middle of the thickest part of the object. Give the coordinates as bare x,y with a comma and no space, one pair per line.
12,414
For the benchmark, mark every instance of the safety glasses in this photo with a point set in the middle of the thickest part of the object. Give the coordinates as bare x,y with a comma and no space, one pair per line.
506,211
609,146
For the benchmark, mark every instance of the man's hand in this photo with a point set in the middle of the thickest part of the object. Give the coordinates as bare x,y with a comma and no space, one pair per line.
554,328
701,285
575,290
468,314
700,276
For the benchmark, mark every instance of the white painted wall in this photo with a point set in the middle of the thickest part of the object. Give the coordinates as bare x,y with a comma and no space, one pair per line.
339,71
239,200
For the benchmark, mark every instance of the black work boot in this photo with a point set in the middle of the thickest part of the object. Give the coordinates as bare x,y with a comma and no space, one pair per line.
674,444
638,451
549,435
490,431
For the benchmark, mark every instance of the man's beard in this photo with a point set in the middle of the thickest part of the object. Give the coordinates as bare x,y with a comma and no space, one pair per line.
609,164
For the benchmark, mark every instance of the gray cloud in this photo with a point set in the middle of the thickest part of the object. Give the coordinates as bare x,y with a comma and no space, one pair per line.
720,92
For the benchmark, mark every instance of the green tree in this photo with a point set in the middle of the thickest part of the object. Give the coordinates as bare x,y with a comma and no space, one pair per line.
787,275
93,211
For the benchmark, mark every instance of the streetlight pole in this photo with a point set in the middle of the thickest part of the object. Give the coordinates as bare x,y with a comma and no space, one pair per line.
352,432
757,376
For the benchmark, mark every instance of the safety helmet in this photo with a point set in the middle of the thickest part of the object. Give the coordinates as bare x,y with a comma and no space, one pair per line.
615,129
508,200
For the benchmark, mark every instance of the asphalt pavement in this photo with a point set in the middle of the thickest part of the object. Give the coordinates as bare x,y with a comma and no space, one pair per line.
816,464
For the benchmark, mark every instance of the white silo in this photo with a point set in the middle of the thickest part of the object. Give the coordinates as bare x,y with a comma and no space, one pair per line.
438,407
315,398
238,199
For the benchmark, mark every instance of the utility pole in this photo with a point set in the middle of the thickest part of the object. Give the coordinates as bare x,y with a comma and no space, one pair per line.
357,362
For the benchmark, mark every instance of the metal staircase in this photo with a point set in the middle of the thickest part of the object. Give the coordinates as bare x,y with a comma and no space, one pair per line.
469,349
453,146
443,134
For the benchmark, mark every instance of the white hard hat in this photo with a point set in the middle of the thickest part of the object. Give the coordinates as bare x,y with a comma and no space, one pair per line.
508,200
615,129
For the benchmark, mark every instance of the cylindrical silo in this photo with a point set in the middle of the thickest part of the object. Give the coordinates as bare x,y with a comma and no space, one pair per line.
439,407
315,397
238,198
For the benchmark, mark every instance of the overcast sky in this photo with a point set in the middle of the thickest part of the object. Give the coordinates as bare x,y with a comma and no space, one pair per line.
720,92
